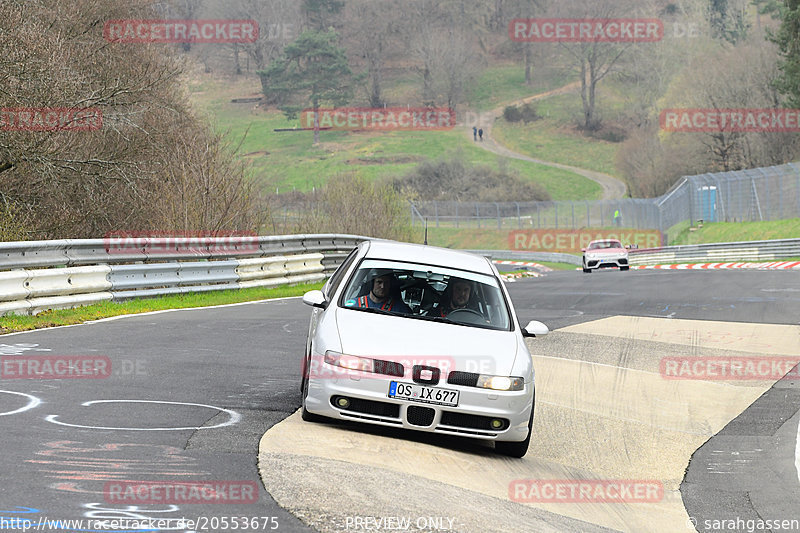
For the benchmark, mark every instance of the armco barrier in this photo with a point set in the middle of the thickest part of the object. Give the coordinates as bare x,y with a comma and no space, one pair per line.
40,275
530,256
718,252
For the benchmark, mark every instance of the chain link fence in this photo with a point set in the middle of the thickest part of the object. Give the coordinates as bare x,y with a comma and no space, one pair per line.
770,193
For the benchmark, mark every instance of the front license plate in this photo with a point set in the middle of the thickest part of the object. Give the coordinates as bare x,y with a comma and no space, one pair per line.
423,394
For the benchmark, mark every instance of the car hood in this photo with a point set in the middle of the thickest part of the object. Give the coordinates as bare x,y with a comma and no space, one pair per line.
415,341
608,251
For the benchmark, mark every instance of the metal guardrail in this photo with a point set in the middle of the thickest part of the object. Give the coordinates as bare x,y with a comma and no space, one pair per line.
508,255
40,275
723,252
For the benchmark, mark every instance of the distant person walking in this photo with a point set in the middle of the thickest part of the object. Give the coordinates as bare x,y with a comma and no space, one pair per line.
474,133
480,133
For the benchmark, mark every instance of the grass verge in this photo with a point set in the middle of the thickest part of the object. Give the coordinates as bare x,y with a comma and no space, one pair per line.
734,231
64,317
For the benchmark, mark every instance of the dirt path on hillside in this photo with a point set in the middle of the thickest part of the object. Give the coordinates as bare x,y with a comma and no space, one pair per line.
613,188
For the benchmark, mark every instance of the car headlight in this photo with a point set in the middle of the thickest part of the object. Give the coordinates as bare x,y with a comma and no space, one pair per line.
350,362
500,382
364,364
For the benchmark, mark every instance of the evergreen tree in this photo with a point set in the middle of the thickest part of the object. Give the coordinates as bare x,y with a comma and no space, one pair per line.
313,68
788,40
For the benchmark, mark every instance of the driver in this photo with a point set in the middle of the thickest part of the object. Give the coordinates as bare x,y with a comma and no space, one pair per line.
380,295
459,297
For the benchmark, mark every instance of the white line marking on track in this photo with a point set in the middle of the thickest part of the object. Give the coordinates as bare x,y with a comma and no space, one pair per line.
33,401
234,416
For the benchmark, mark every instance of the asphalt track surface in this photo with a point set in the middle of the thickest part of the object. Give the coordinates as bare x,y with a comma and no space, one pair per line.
193,391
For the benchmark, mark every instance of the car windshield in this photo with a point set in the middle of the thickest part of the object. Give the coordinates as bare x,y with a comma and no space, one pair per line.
604,244
427,292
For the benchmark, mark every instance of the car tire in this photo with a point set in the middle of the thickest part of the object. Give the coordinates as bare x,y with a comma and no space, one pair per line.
304,413
624,268
587,270
517,449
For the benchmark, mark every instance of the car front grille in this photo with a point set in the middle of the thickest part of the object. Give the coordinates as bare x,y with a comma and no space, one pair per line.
389,368
369,407
463,420
420,416
466,379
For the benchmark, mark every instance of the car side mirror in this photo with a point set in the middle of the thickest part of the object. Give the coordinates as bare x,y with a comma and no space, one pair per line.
583,249
315,298
535,329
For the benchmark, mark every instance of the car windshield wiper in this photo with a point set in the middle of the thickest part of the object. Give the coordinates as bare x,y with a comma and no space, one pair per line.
433,318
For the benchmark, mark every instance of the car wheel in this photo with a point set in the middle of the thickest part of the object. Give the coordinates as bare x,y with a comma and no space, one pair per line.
517,449
305,414
586,270
624,268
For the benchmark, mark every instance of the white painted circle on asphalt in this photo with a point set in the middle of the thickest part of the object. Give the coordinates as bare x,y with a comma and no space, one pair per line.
33,401
234,416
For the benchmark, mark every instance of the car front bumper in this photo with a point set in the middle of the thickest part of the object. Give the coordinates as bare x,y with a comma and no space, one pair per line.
370,403
605,262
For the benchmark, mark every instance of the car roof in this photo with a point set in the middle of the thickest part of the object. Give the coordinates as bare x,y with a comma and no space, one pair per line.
425,254
605,240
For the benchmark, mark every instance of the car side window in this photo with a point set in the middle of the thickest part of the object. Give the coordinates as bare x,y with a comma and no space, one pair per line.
333,283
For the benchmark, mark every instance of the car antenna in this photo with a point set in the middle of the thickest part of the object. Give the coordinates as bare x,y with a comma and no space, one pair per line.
426,232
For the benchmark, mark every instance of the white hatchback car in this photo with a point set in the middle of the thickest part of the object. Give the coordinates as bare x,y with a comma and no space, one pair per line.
422,338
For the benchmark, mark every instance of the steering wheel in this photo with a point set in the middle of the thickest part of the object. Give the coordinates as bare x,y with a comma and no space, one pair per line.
467,316
465,310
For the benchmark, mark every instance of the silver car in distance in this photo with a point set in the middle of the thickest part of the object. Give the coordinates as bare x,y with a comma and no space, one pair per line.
421,338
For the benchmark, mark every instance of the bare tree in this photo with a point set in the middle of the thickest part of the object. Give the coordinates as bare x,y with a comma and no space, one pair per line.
371,28
72,183
593,60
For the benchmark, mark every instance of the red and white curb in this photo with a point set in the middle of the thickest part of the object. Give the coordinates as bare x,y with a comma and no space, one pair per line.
775,265
524,264
511,277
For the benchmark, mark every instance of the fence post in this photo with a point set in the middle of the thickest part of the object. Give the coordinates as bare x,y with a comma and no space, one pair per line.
588,216
519,220
797,190
456,214
556,204
573,214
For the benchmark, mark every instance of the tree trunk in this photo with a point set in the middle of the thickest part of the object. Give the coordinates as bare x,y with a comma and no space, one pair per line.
584,96
528,64
316,123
